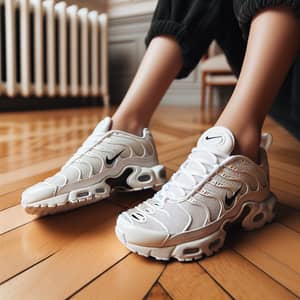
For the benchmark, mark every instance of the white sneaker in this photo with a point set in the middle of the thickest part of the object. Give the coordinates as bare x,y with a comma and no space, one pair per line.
186,219
107,160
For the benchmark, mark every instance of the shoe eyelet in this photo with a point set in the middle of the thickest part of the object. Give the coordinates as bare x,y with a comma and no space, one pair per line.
138,217
148,211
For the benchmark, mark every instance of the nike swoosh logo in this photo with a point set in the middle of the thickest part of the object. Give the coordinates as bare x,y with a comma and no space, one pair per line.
109,161
230,200
212,137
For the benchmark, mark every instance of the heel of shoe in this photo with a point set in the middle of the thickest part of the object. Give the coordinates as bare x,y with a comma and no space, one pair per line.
259,213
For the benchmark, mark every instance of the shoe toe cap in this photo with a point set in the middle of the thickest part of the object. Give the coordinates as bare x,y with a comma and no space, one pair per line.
130,231
37,192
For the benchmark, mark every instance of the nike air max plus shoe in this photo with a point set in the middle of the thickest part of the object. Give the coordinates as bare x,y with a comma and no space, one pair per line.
107,160
186,219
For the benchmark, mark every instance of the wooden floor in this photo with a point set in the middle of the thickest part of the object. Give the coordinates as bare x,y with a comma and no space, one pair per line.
76,254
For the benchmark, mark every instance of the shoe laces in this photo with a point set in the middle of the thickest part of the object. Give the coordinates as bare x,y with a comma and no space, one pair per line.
199,164
94,139
87,145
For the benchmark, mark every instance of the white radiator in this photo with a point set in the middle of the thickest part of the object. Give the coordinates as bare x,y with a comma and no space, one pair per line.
53,50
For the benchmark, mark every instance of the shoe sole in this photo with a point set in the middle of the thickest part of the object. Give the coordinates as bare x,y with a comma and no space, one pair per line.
253,215
131,178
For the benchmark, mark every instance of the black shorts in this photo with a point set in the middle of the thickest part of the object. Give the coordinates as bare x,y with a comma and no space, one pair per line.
195,23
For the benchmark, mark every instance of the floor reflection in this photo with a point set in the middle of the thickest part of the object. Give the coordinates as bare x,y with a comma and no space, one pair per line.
28,137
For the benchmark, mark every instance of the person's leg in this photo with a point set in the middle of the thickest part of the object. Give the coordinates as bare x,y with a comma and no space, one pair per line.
180,33
274,41
159,67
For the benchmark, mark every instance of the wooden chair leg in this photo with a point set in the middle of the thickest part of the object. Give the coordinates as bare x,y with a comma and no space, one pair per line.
203,89
211,94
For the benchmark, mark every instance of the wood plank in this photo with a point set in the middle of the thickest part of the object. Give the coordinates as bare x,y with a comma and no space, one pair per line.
189,281
161,137
242,279
284,175
181,148
158,293
25,141
171,166
22,173
22,184
69,269
275,250
286,197
285,155
31,156
10,199
283,166
14,217
132,271
288,217
285,186
283,158
33,242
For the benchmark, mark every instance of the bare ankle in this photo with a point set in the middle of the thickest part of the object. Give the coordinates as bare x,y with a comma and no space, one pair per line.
247,144
130,125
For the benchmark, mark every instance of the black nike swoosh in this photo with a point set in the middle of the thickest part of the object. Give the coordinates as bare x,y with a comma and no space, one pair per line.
212,137
230,200
110,161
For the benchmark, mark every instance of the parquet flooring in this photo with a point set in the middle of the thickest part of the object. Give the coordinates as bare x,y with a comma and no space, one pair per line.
76,254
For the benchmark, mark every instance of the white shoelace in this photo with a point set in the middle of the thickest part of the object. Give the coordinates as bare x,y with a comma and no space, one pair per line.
197,167
87,145
199,164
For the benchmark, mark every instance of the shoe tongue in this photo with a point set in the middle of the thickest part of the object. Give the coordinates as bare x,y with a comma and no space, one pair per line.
218,140
103,126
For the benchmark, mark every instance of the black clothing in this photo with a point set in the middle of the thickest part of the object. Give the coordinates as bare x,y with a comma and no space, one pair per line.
195,23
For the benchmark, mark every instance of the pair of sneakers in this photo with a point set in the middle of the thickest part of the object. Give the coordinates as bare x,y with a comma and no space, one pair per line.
186,219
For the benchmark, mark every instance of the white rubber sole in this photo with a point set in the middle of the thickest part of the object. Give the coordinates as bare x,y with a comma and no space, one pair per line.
139,178
258,214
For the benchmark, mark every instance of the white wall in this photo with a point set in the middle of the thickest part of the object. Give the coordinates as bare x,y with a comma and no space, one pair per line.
99,5
118,8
